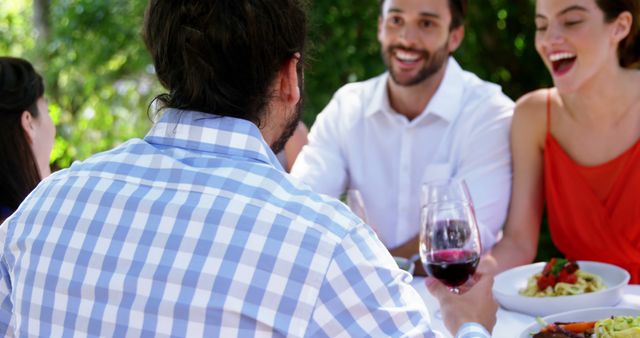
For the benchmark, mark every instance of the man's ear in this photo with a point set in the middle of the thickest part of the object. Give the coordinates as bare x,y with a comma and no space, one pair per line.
27,121
289,90
455,38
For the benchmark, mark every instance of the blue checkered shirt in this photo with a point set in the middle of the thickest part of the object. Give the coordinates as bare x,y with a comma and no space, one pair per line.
195,231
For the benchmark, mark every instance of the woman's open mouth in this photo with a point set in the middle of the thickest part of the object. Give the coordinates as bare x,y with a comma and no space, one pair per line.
562,62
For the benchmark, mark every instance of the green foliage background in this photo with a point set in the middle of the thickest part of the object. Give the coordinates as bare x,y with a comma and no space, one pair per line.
100,80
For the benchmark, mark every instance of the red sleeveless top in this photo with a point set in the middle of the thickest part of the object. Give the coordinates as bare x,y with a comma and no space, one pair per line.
594,211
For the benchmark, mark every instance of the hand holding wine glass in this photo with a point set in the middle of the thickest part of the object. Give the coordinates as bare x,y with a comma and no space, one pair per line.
476,304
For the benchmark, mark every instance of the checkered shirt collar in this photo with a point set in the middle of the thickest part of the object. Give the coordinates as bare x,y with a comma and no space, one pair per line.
211,133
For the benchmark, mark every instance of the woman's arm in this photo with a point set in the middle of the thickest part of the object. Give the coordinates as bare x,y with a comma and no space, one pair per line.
521,232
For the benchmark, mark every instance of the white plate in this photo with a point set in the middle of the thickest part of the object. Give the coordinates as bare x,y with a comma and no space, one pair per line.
580,316
507,285
405,264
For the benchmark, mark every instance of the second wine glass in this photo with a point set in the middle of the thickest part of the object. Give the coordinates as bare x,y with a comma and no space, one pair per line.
356,204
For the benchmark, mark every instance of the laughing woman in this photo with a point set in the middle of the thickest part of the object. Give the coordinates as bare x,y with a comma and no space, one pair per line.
576,147
26,133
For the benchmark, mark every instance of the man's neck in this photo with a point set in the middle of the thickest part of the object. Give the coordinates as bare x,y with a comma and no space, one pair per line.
411,101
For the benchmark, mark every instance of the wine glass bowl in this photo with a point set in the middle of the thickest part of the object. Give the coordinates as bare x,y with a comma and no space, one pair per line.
355,202
449,239
446,190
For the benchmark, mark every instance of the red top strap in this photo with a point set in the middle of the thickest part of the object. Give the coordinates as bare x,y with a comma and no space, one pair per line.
548,110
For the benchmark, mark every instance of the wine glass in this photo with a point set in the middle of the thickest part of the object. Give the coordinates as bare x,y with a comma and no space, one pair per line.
356,204
449,239
447,190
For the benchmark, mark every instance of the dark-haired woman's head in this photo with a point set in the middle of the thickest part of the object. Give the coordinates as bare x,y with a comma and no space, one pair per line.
222,57
27,133
578,39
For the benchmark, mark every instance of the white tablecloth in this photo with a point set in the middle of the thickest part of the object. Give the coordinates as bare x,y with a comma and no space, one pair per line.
509,323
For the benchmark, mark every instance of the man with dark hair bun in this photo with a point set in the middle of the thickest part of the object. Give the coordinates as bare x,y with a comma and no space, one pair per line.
195,230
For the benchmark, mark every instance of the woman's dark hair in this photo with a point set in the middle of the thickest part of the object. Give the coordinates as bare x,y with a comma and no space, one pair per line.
629,47
20,88
458,10
221,56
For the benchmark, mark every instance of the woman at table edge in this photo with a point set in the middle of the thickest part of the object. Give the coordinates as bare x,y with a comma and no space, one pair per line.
27,133
576,146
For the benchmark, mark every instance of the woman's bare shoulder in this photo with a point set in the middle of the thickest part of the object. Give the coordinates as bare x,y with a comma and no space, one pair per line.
534,102
532,107
530,114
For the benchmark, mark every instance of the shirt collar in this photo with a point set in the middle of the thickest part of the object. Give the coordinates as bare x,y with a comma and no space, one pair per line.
212,134
445,103
380,99
447,100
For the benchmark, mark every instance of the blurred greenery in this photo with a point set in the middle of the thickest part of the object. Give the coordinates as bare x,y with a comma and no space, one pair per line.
100,80
96,70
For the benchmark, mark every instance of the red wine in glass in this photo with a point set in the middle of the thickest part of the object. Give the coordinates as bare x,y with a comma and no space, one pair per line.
453,267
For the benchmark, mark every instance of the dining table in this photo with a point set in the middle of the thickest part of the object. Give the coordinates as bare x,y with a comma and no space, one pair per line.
509,323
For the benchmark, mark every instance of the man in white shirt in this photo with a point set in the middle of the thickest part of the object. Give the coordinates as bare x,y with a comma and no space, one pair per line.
424,119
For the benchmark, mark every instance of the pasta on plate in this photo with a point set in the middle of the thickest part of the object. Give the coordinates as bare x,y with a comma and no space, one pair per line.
585,282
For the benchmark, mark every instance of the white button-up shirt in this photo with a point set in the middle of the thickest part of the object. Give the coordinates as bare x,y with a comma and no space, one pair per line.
359,142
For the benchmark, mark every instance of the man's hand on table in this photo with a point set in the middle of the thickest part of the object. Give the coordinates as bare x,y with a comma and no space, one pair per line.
474,304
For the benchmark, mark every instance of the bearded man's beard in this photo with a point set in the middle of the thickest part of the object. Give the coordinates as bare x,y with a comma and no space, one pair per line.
433,63
290,127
